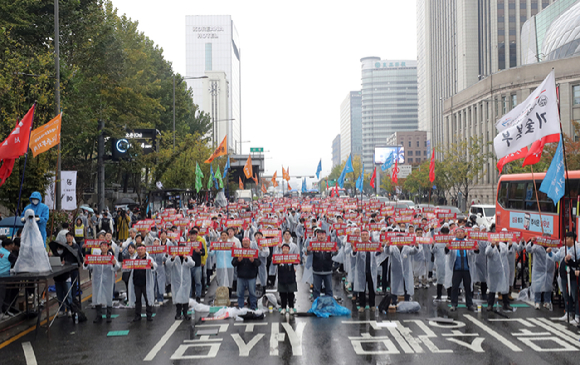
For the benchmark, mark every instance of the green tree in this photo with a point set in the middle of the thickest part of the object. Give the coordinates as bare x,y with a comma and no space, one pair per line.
465,163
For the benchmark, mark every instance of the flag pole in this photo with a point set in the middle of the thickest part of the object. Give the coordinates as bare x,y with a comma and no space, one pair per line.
537,200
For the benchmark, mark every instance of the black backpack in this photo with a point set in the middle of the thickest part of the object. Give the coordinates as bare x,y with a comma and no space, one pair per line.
385,303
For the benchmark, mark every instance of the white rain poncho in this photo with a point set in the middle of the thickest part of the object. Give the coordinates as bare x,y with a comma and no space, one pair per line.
542,268
438,251
557,255
150,283
359,269
480,275
33,257
497,268
180,278
401,266
160,277
511,257
103,280
450,264
168,243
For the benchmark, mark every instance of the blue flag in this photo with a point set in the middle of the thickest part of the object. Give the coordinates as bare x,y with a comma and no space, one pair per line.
226,167
319,169
359,181
554,184
304,185
388,162
348,166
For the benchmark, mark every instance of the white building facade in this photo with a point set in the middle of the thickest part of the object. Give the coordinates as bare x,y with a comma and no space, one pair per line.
213,49
351,125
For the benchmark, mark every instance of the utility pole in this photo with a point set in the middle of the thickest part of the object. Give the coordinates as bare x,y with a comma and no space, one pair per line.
101,166
57,97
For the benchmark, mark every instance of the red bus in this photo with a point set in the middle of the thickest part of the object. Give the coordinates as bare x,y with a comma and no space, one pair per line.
517,207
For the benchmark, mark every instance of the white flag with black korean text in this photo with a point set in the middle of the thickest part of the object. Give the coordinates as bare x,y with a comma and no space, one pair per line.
531,120
68,189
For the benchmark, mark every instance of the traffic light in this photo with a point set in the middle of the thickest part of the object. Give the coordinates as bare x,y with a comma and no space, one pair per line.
120,148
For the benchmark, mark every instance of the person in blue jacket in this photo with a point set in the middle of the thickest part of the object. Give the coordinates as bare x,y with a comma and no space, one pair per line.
40,210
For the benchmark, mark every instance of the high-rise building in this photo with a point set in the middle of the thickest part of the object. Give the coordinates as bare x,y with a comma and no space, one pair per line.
389,102
351,125
414,144
460,42
336,151
212,44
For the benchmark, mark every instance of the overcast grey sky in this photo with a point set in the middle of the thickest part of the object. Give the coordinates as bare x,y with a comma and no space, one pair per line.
299,61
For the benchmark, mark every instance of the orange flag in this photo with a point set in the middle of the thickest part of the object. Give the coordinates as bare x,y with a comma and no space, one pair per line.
274,182
46,136
220,151
289,187
286,174
255,178
248,168
241,184
264,189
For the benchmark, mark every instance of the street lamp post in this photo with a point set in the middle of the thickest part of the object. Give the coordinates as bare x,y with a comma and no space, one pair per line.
184,78
214,130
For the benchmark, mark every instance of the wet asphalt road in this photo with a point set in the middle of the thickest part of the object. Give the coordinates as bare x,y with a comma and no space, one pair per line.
526,336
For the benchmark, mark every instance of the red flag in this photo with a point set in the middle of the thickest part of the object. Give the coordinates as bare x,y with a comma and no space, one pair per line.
16,144
6,170
432,167
511,157
394,177
535,152
373,178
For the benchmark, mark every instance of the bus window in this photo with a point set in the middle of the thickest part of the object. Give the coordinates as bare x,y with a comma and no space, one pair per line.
502,194
516,195
531,203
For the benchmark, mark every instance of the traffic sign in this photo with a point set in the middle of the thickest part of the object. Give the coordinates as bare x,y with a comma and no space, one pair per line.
257,149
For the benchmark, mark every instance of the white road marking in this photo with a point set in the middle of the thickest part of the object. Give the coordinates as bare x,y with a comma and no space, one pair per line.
275,337
151,355
558,330
500,338
366,338
401,341
431,346
245,348
406,332
475,346
423,327
29,353
295,337
522,321
250,326
562,345
222,327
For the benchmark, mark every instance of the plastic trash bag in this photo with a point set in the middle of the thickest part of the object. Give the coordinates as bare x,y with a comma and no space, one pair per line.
526,294
33,257
325,307
270,298
198,307
408,307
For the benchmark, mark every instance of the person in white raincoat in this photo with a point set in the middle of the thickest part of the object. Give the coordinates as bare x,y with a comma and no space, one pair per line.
33,257
438,251
420,263
103,278
497,274
180,268
513,248
141,284
401,269
481,264
159,274
223,262
568,257
263,254
167,242
365,272
542,274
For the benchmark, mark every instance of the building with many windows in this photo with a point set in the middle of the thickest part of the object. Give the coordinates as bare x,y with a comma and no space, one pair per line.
460,42
474,111
212,45
389,102
336,151
415,144
351,125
